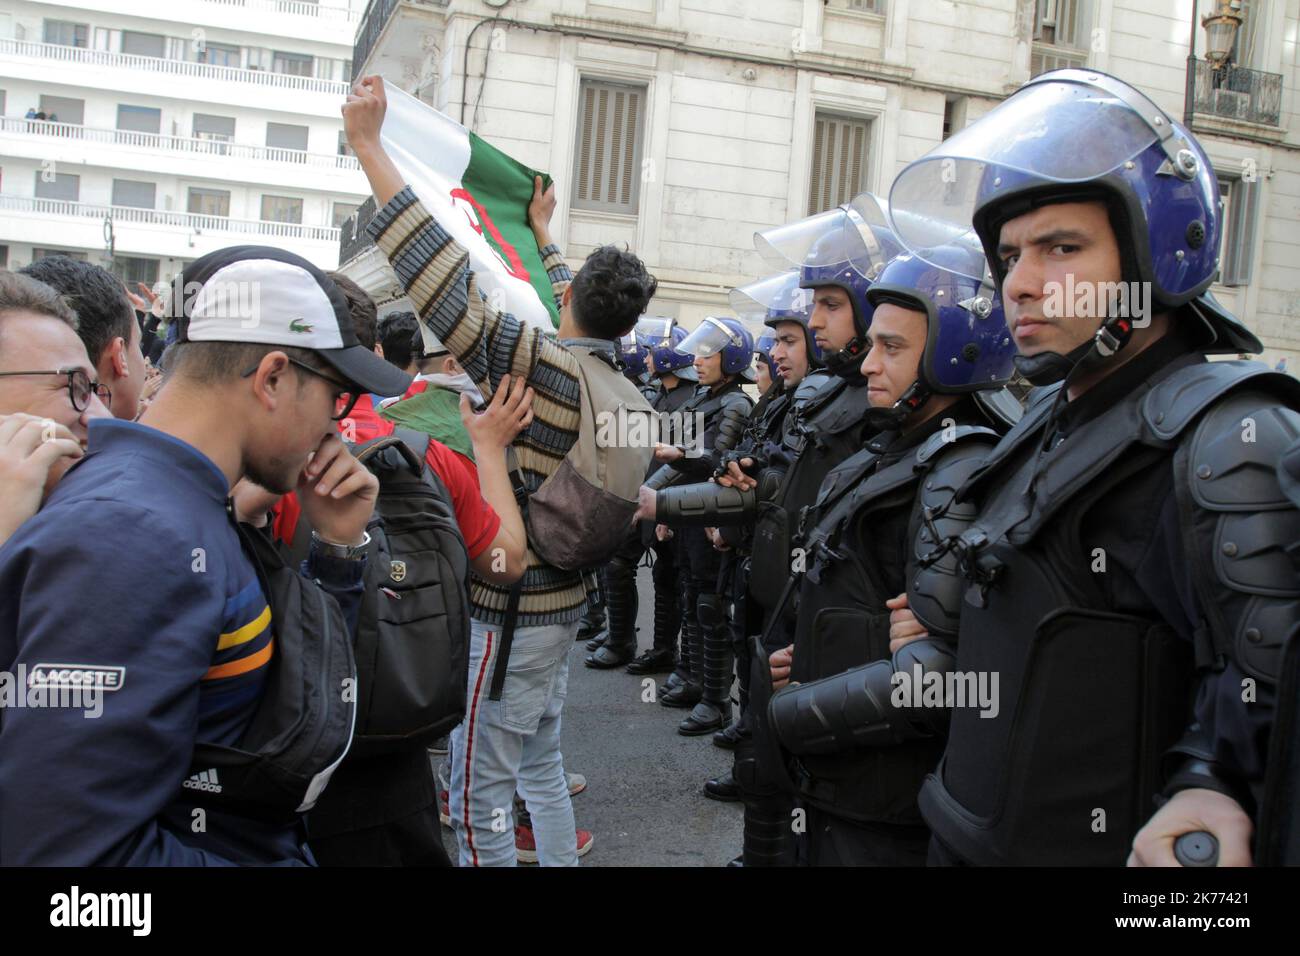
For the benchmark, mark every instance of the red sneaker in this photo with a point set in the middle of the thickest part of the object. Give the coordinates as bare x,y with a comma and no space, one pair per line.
444,808
526,846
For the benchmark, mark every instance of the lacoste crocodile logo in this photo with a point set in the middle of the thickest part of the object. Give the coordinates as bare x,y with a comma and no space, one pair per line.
297,325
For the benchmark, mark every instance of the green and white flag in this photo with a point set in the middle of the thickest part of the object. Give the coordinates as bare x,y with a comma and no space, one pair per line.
480,196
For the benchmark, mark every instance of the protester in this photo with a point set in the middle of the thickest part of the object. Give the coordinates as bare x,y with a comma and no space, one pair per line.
155,494
48,396
515,738
106,323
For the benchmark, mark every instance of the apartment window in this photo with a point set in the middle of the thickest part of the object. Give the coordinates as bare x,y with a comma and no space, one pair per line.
343,211
65,33
132,192
209,202
39,254
295,64
144,44
139,119
1237,249
64,108
862,6
132,269
59,186
954,115
841,149
286,136
220,54
1060,35
607,173
281,209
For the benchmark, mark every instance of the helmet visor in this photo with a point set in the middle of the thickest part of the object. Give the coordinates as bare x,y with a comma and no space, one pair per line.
776,296
870,234
652,330
710,337
1055,131
820,240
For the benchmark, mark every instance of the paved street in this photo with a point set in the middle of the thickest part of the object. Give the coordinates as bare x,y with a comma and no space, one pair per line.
643,800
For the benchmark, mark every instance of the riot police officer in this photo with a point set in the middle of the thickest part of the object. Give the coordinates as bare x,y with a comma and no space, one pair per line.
673,371
653,336
723,350
1128,552
860,760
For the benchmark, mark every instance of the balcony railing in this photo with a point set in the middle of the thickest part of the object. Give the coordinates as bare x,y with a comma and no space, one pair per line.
153,64
179,144
352,237
294,6
1046,57
162,217
372,24
1233,92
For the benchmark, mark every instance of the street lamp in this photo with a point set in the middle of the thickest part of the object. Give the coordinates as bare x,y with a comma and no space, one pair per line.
1220,30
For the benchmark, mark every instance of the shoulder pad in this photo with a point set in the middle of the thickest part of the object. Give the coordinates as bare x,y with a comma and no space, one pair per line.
738,400
944,438
1175,402
1244,524
810,386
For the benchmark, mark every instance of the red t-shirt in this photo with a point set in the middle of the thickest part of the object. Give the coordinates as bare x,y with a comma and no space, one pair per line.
478,521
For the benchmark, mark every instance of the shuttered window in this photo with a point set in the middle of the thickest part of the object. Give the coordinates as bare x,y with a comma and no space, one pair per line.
133,192
139,119
144,44
841,148
281,209
58,186
608,160
1237,252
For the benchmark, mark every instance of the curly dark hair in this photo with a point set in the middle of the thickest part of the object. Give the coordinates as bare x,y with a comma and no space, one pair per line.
610,292
398,333
104,313
360,306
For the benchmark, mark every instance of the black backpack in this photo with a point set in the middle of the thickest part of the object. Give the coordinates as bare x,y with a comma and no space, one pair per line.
303,723
412,649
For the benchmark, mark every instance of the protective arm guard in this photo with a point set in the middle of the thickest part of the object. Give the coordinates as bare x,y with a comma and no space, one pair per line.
704,504
857,709
935,582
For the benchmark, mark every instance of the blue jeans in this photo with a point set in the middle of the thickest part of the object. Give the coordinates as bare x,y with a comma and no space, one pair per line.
513,743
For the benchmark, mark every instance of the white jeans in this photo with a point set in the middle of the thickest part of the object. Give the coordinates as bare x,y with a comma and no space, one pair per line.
513,743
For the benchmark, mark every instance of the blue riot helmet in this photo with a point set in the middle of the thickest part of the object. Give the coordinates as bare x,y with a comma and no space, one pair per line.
633,355
763,351
1071,136
841,248
776,299
726,336
968,347
661,336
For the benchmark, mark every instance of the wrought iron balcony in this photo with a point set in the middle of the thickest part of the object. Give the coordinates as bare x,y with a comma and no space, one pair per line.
352,237
1235,93
373,21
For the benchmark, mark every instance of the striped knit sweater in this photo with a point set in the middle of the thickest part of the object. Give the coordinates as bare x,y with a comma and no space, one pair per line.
434,269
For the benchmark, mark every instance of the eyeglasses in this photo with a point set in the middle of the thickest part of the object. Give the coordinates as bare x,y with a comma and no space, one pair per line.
80,387
346,394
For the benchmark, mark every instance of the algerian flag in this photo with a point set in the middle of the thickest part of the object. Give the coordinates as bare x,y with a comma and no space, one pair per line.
480,196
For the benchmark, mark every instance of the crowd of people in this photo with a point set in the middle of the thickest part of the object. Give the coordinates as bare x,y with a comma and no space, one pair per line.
960,576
